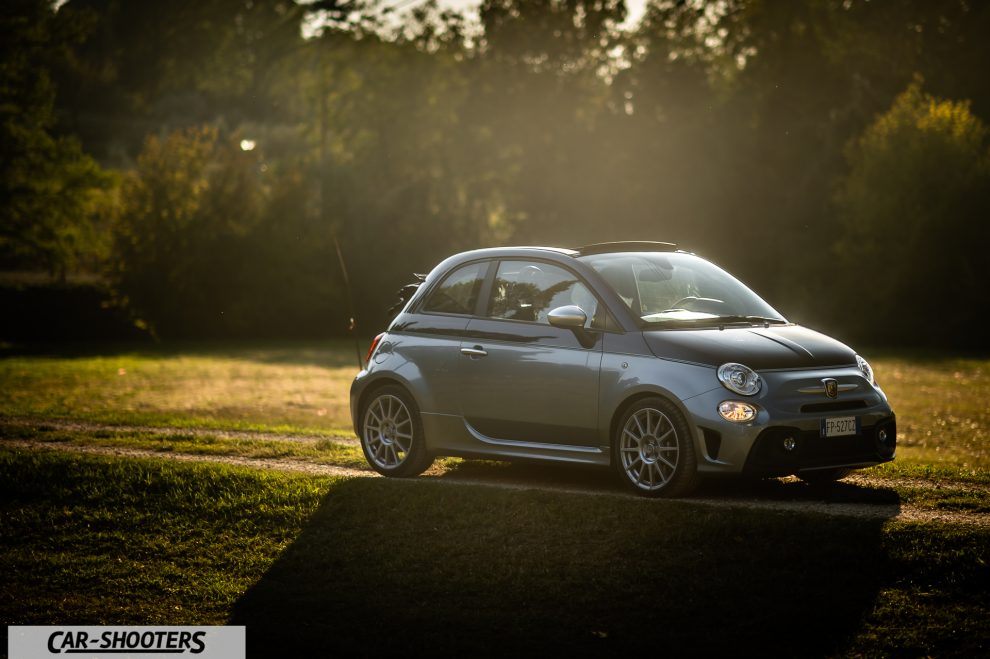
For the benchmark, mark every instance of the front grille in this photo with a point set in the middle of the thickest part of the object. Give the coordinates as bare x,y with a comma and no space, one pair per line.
834,406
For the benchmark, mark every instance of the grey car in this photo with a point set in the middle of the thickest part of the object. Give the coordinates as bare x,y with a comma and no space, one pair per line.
637,356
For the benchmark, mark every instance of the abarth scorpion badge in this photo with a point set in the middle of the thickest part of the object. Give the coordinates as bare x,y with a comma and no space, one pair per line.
831,387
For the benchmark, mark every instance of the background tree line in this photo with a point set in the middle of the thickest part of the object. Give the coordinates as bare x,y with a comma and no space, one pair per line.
206,157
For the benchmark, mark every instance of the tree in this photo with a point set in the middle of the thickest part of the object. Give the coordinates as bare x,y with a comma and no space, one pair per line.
538,101
139,67
50,191
188,211
913,212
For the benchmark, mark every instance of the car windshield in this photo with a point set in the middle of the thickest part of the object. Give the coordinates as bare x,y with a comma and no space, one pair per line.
677,289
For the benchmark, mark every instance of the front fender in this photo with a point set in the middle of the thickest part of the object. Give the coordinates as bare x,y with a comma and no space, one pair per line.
625,376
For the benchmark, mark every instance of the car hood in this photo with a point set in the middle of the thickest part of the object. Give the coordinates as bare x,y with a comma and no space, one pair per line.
789,346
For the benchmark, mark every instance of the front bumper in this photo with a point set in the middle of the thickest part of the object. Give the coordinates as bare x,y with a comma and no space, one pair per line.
782,450
785,437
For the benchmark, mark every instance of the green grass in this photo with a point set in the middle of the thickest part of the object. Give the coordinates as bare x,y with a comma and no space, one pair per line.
372,566
952,495
941,403
943,419
101,541
958,490
280,388
930,472
943,409
940,487
934,598
303,388
320,451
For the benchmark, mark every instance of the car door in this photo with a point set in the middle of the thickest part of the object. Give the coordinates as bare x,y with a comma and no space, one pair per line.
521,379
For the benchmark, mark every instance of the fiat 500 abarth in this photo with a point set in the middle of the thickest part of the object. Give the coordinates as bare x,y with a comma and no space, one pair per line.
635,355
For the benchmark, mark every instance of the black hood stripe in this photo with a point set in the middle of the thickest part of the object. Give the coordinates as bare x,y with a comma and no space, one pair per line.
786,347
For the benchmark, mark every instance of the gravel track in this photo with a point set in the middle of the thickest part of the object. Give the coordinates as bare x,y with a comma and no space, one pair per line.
281,464
898,512
83,426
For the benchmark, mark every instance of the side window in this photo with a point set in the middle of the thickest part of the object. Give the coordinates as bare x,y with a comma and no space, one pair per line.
458,292
529,290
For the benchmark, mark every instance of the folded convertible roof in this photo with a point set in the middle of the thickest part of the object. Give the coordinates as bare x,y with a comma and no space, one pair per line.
626,246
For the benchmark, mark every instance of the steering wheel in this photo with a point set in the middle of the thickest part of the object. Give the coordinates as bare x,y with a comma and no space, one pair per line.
695,303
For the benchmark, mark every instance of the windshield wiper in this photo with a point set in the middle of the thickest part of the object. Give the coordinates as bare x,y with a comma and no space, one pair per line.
723,320
730,320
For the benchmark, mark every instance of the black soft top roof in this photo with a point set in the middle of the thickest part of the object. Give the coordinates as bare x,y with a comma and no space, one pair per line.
626,246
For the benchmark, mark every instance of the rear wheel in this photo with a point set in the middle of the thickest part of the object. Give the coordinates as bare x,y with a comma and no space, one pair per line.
652,450
392,434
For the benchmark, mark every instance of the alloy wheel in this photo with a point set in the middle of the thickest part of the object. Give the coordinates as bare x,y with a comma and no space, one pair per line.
649,449
388,431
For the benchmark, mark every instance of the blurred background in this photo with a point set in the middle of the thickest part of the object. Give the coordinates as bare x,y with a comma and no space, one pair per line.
188,168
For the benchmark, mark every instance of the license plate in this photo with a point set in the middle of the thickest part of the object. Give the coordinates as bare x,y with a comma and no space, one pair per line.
840,426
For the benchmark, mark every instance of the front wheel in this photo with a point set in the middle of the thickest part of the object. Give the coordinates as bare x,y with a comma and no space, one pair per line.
392,434
653,451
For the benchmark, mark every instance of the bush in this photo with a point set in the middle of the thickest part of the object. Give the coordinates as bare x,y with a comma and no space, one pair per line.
212,244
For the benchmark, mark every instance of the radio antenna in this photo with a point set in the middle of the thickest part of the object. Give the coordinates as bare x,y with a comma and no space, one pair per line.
351,323
322,132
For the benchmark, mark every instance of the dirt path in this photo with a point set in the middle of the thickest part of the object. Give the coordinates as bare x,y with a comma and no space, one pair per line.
282,464
84,426
573,482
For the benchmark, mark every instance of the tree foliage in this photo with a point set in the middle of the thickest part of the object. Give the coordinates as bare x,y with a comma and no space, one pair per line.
403,137
913,211
188,207
51,193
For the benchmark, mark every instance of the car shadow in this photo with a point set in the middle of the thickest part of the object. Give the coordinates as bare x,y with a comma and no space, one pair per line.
600,480
414,567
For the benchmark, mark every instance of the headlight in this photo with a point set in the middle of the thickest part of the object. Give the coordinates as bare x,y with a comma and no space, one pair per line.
736,411
865,368
740,379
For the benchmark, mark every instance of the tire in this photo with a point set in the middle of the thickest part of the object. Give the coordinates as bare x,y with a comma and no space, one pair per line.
392,434
653,451
824,476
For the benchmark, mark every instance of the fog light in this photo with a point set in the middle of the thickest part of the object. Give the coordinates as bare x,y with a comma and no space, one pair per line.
736,411
789,443
882,435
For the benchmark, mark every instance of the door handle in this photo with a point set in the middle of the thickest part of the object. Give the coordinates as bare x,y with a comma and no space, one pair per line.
476,351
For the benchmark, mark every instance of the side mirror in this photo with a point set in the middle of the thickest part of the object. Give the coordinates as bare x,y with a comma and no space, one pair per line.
568,317
573,318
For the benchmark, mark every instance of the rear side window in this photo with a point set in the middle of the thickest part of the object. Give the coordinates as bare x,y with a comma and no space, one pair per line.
458,292
529,290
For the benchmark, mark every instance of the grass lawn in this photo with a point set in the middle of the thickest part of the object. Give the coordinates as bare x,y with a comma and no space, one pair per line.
942,415
367,566
278,387
212,443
